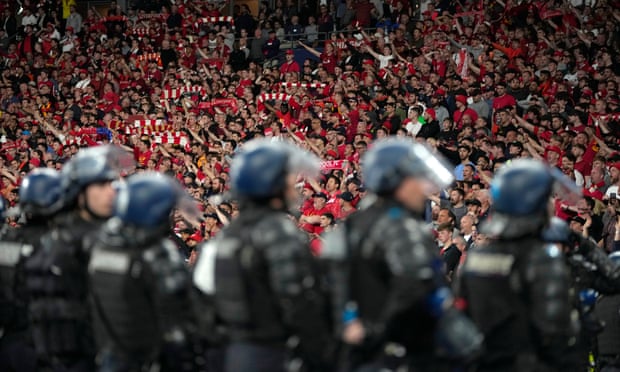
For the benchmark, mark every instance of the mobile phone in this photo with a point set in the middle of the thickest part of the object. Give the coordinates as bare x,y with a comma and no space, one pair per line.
612,195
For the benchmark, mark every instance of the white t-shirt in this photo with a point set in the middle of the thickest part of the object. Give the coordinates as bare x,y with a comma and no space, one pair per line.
579,180
383,60
611,190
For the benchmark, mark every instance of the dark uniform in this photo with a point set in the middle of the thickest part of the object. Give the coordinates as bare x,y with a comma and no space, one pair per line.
385,272
517,288
16,354
141,287
590,270
260,274
56,274
39,201
518,295
607,309
57,287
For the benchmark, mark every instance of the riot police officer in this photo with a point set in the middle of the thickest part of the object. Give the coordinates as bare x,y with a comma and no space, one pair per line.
591,272
259,271
517,288
608,311
39,199
140,285
390,297
56,274
589,266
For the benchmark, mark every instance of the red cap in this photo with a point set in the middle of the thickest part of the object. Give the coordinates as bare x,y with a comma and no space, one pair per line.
196,237
431,112
546,136
332,153
461,98
440,92
555,149
290,51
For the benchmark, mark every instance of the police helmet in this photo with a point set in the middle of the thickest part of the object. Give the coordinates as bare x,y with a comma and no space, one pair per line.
92,165
520,193
390,161
40,193
557,231
258,171
146,200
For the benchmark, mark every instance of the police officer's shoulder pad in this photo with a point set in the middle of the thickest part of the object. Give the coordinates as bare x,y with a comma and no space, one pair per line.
273,228
335,244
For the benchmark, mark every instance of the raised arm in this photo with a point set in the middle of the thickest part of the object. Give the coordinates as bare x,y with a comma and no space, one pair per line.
313,51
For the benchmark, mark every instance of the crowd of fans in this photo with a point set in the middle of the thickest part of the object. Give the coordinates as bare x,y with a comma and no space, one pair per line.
182,85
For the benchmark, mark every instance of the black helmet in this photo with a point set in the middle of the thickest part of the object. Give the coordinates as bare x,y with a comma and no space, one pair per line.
92,165
520,193
557,231
259,170
146,200
390,161
40,193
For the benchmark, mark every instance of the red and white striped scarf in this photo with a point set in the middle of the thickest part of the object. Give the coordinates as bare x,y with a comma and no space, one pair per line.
303,85
227,19
176,93
462,61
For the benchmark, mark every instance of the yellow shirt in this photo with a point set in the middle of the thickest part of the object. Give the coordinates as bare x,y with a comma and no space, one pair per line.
201,161
66,8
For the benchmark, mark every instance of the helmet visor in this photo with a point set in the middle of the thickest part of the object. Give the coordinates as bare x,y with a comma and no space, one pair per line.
432,168
187,207
119,159
564,187
99,164
303,163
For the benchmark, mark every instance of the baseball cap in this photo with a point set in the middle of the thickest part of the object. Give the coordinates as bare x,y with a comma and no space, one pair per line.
578,219
332,153
473,202
346,196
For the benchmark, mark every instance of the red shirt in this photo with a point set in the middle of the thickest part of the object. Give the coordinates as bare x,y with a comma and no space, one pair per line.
310,228
503,101
458,116
289,67
329,62
142,157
